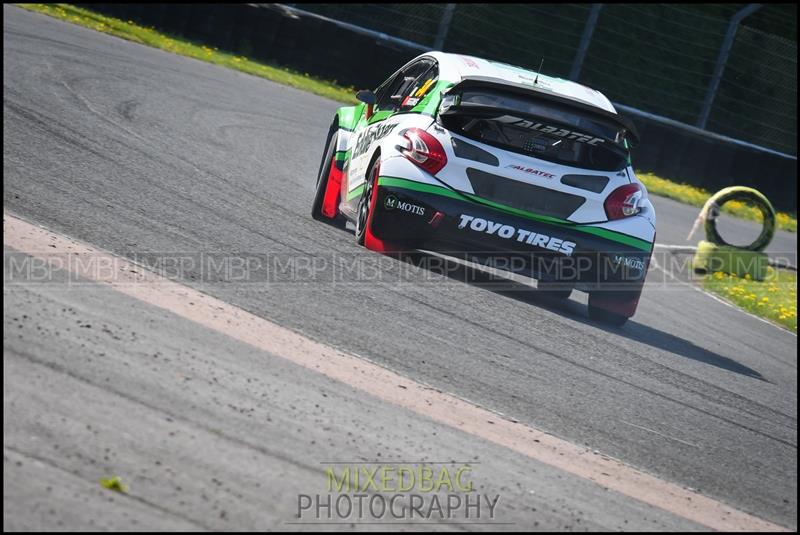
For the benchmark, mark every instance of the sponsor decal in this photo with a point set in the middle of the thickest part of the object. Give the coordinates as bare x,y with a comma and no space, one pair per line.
366,138
410,101
546,129
508,232
630,262
530,171
590,91
393,203
469,62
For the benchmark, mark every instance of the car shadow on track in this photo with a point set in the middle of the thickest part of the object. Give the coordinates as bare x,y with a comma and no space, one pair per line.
575,311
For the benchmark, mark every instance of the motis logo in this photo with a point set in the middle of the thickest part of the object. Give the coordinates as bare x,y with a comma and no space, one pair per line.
391,203
631,262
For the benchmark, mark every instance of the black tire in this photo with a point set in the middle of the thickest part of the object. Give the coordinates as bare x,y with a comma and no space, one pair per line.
322,181
556,290
362,212
740,193
602,315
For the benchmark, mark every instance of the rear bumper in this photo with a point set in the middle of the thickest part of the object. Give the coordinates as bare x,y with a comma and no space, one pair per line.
421,216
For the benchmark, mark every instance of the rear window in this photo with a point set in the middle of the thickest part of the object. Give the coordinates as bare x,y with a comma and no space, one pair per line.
546,130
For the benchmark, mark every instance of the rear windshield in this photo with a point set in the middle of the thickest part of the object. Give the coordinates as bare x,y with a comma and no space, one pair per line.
546,130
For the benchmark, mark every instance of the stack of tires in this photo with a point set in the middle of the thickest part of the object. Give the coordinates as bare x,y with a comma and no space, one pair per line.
714,254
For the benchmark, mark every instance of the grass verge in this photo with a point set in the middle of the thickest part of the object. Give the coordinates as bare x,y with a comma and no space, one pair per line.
149,36
697,197
774,298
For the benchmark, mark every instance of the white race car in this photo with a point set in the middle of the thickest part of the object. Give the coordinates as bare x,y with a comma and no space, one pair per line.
483,160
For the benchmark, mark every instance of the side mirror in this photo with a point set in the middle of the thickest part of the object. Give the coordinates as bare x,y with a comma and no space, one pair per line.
366,96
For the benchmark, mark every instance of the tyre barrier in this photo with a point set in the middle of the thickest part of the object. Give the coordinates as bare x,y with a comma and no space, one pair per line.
713,207
715,254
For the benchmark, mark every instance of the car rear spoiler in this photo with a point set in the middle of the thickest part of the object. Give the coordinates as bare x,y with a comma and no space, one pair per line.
479,82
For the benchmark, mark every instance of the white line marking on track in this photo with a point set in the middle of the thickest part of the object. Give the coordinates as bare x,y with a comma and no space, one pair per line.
716,298
690,249
687,248
659,434
381,383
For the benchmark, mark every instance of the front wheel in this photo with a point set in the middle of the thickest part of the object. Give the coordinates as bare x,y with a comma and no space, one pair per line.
329,181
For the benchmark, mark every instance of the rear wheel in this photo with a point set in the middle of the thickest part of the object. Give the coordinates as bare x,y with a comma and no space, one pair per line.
367,202
365,216
602,306
327,196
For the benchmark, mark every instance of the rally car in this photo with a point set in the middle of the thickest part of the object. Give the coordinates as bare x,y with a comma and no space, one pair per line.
480,159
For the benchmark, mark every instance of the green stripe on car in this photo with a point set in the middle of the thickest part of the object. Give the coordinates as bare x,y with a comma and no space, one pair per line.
355,193
349,116
618,237
379,116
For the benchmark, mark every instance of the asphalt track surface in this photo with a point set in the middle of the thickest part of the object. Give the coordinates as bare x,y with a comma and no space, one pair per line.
145,154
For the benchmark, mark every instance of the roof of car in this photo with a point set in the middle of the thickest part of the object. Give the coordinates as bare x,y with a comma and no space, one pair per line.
461,67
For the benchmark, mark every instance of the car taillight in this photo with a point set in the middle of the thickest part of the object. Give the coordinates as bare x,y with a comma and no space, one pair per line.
424,150
623,201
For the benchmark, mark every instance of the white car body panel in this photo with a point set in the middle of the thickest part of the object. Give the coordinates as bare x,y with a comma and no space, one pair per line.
456,67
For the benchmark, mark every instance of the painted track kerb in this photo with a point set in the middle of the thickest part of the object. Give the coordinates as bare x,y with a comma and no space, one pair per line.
133,280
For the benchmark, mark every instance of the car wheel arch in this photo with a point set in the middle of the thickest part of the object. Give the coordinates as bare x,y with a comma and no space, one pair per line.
375,156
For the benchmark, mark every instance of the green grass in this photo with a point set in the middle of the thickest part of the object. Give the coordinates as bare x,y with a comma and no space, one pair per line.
149,36
697,197
775,298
